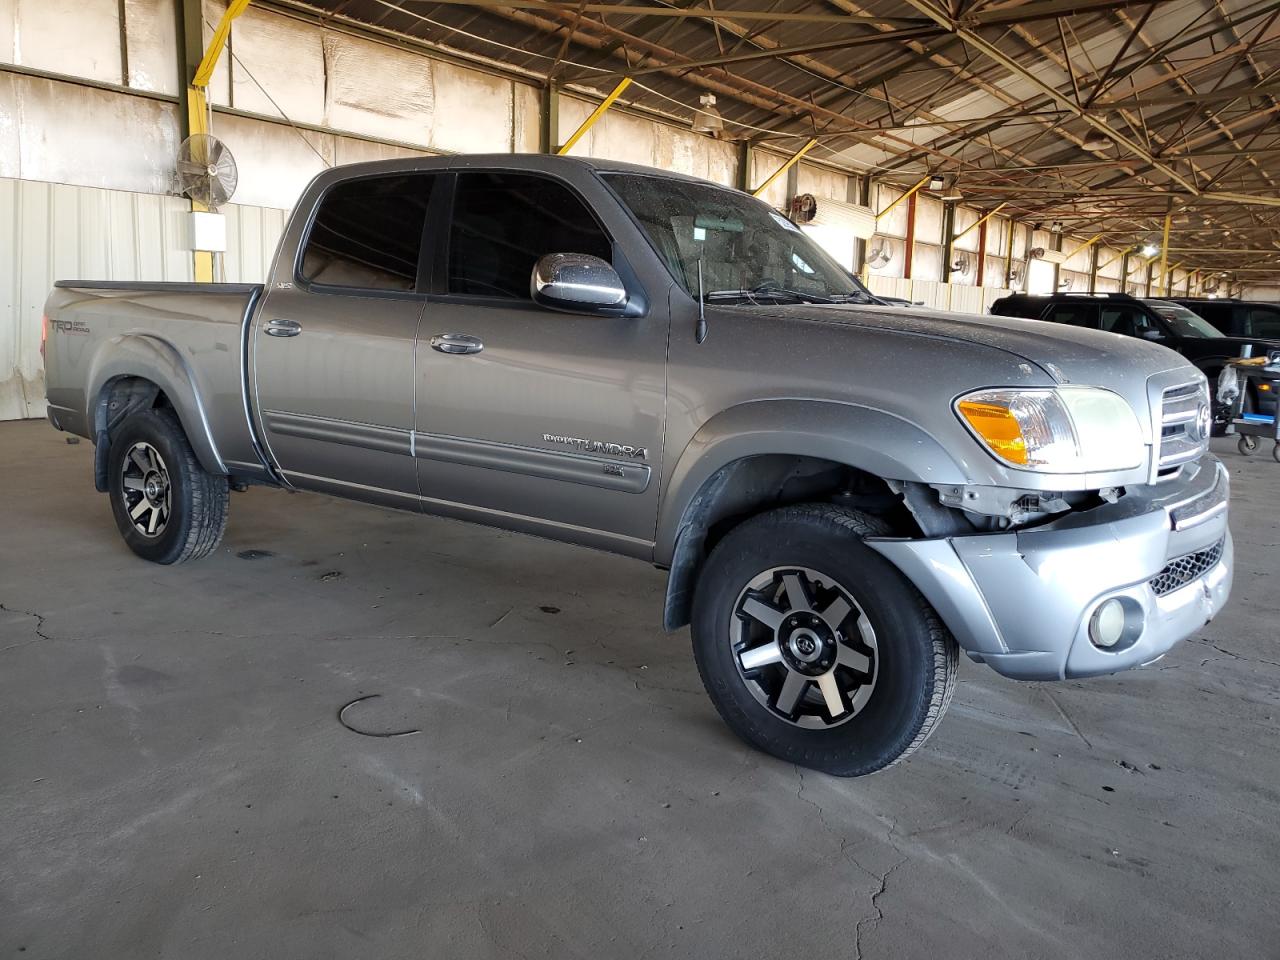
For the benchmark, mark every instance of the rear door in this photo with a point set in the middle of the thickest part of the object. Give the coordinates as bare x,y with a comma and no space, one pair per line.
551,421
1075,313
333,344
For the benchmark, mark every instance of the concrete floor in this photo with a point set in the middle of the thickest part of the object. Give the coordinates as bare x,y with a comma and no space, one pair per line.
175,782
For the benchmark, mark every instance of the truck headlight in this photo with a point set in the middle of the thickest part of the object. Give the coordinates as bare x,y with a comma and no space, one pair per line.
1055,430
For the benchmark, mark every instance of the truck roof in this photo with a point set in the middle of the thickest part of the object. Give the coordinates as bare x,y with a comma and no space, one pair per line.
515,161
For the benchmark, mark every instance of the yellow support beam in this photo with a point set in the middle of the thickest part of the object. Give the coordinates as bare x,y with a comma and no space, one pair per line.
1118,256
596,114
981,220
905,196
787,165
204,72
1084,246
198,113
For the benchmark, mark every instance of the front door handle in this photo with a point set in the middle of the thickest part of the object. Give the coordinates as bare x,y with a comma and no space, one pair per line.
283,328
456,343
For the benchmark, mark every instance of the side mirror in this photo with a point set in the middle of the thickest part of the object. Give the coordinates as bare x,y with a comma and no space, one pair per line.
577,283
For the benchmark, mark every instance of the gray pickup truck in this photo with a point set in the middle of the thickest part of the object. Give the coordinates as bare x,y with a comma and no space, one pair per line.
845,493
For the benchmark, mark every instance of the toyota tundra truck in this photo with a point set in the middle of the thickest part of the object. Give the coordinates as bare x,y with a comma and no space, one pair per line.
845,494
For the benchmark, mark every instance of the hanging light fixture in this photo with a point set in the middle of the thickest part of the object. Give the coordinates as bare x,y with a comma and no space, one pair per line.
1149,250
936,182
707,119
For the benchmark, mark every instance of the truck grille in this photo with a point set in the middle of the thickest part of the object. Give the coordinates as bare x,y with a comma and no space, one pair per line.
1181,571
1184,424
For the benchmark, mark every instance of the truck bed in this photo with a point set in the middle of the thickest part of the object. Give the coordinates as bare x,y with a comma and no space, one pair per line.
188,337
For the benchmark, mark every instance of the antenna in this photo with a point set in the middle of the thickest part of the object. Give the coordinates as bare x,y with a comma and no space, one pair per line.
700,331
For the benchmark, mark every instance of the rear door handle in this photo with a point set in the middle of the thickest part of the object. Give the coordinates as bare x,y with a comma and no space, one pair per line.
283,328
456,343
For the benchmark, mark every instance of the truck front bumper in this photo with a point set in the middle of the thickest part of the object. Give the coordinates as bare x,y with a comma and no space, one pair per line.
1022,601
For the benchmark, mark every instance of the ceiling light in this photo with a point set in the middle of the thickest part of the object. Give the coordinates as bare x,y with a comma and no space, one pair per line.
1150,250
707,119
936,182
1056,227
1096,142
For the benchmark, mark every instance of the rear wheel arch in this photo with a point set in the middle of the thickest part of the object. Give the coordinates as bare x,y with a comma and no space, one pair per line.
135,372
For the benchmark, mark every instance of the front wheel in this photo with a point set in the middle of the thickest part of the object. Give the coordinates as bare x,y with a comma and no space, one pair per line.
1246,445
816,649
168,508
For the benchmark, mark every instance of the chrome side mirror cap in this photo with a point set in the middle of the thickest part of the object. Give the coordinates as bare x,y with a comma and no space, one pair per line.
577,283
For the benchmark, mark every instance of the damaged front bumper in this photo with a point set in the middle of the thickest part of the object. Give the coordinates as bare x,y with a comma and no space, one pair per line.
1022,601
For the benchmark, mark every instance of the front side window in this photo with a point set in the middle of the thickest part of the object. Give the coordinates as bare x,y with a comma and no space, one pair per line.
503,223
748,252
367,233
1183,322
1128,321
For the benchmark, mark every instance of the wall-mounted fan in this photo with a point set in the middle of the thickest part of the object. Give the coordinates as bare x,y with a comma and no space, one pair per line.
880,254
1017,273
206,170
961,265
1037,253
1065,283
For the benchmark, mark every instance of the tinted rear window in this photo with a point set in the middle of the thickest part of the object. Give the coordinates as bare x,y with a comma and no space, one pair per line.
368,233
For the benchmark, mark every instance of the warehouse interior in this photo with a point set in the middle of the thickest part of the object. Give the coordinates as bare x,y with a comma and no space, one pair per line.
543,776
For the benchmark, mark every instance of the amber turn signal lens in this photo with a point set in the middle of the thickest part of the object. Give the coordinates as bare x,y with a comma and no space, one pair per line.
998,427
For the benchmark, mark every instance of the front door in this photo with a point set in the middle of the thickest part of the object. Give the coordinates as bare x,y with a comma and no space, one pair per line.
333,347
549,422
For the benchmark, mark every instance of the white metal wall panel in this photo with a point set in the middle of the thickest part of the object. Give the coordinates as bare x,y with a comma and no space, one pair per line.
273,58
152,37
79,38
351,150
252,236
893,223
472,111
527,112
68,133
928,219
926,264
276,160
762,167
965,218
822,183
52,231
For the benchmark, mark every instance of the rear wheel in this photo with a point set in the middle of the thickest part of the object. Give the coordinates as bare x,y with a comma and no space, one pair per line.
814,648
1246,445
168,508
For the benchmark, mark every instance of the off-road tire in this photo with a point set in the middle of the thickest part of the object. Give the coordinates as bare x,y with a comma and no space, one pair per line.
917,655
199,499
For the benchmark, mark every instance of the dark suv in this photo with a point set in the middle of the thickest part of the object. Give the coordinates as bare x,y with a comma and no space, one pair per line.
1161,321
1237,318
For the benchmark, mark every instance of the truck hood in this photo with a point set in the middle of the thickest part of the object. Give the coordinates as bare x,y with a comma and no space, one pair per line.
1067,354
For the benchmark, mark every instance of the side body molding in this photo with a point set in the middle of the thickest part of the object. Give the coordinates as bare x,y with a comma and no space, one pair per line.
150,358
873,440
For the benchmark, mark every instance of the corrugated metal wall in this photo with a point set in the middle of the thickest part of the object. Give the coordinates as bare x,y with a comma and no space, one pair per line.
51,231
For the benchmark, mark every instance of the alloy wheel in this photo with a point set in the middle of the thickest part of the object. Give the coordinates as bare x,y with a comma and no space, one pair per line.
145,487
804,647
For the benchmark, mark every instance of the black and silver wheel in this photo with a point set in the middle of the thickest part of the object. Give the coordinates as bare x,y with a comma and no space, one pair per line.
804,647
1246,445
146,489
167,506
814,648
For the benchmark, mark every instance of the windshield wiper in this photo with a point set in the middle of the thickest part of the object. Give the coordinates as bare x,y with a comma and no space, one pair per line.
766,293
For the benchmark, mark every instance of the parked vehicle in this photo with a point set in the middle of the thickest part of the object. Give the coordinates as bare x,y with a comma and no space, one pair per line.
1160,321
1237,318
845,493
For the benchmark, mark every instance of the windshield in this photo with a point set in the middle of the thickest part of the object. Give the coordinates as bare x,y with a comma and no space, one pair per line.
749,252
1182,321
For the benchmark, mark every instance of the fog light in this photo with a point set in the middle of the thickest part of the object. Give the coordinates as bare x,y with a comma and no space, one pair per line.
1106,627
